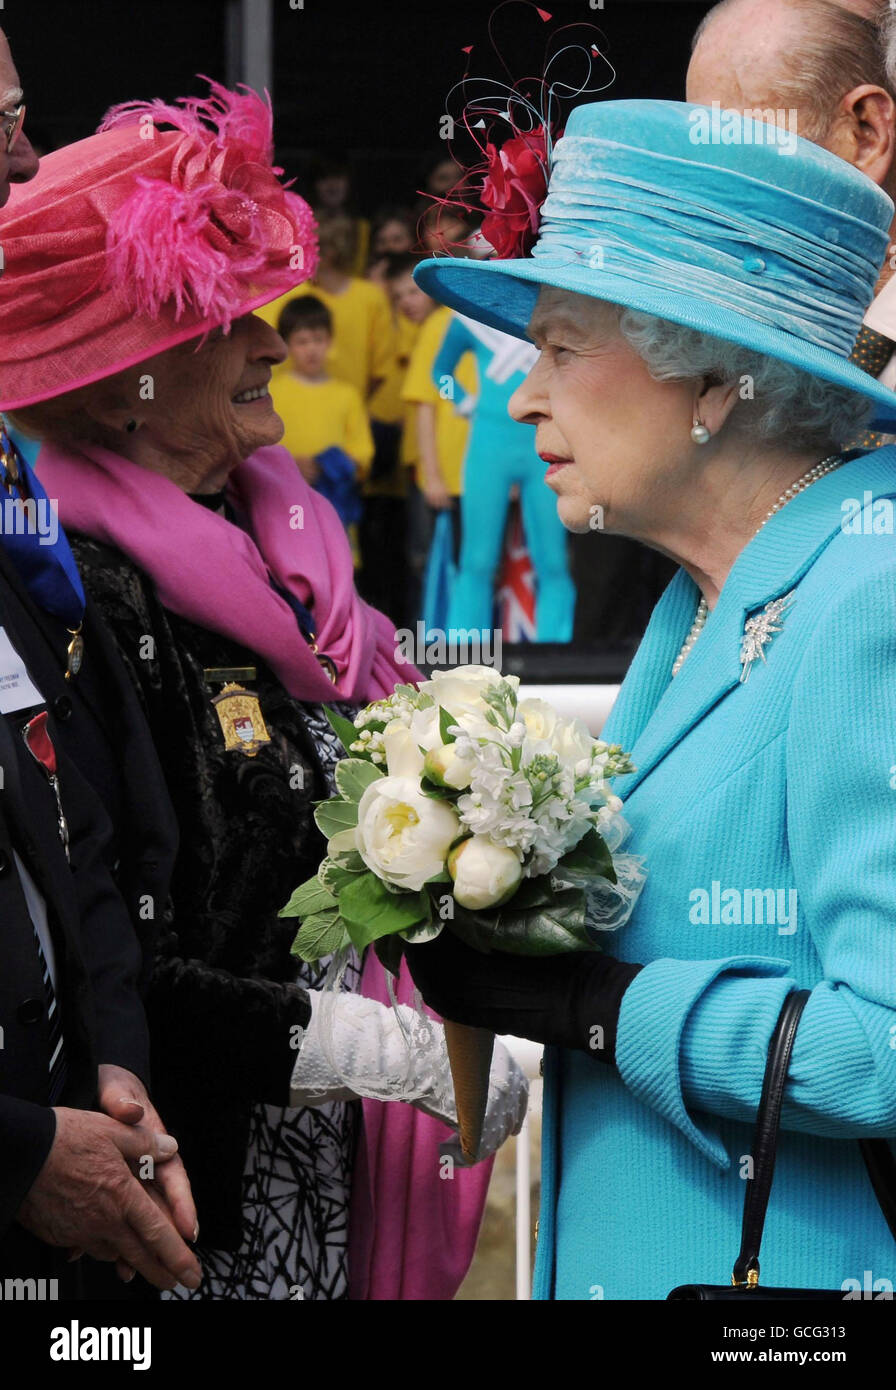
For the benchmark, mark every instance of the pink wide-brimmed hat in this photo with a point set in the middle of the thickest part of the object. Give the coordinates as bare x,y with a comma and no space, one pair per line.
167,223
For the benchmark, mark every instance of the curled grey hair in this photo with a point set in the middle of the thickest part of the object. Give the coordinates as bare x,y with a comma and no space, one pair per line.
780,404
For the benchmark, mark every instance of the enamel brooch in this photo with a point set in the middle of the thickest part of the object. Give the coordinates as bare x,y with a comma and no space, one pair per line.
238,709
760,630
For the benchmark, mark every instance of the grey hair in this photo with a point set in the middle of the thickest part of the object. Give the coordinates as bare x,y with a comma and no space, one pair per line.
782,405
835,50
888,41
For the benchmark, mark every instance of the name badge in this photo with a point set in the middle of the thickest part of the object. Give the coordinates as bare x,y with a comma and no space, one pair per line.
17,690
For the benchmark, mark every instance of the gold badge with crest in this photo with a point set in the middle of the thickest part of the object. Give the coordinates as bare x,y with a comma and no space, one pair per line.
239,712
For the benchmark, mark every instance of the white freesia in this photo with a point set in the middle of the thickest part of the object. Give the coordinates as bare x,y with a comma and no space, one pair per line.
485,874
402,835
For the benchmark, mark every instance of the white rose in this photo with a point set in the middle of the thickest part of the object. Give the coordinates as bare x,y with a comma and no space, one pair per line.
571,740
425,728
403,757
539,717
460,691
402,835
485,874
444,767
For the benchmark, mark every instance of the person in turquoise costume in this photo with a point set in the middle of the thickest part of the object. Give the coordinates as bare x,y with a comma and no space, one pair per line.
500,455
697,286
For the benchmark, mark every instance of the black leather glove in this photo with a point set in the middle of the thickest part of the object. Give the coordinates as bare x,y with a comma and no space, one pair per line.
568,1001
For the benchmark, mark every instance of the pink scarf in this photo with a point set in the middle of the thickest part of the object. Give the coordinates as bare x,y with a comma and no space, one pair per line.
412,1234
211,572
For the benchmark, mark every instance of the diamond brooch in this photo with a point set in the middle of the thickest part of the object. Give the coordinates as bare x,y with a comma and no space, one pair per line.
760,630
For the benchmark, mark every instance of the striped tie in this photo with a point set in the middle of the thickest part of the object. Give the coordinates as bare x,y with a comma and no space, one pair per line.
57,1069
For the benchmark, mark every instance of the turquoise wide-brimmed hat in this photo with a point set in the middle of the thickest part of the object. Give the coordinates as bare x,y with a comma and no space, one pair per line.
704,217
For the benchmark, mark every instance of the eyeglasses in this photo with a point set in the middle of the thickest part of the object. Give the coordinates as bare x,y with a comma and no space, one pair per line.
11,126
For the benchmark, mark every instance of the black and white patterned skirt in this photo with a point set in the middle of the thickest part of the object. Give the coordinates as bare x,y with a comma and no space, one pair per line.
297,1176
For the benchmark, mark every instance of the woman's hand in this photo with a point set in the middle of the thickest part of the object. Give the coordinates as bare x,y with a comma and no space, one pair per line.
505,1108
569,1000
352,1042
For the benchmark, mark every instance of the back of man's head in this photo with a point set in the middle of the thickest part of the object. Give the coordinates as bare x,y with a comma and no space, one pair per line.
888,40
801,55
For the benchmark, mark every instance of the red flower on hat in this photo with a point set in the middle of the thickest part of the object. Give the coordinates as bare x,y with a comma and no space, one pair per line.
513,190
221,223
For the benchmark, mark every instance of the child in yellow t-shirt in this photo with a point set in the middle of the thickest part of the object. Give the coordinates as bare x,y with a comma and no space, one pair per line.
441,440
362,340
384,579
324,421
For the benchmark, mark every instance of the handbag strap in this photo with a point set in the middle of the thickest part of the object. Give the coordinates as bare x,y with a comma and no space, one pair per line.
881,1165
877,1154
765,1141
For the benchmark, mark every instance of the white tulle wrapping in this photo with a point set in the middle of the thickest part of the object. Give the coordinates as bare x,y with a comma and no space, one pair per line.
417,1070
608,906
402,1056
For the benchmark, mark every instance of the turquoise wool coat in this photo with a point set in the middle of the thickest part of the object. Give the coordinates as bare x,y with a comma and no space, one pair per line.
785,783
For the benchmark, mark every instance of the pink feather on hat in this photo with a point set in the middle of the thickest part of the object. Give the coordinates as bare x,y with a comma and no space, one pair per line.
200,238
167,223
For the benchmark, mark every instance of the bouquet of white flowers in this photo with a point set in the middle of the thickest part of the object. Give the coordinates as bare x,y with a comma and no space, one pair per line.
462,806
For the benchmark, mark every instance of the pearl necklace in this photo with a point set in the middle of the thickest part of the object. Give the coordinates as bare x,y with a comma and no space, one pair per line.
818,471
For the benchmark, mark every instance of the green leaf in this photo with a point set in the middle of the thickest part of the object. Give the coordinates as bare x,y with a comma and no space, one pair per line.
371,911
589,859
427,931
319,936
344,729
353,776
446,721
540,931
335,876
437,793
532,892
333,816
342,851
307,899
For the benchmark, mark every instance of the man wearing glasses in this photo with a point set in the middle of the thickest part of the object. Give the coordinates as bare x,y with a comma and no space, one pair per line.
76,1123
18,162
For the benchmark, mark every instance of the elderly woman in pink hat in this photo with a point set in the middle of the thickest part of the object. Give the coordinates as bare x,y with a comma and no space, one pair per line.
133,263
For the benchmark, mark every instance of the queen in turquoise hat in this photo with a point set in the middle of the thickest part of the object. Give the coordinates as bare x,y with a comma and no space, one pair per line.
696,288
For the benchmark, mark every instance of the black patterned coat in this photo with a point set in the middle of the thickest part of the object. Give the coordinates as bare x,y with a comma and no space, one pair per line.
223,997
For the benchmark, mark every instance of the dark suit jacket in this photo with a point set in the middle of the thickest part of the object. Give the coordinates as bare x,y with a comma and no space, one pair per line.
99,958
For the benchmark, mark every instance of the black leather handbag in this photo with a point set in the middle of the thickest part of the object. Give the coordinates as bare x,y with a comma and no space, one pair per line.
879,1161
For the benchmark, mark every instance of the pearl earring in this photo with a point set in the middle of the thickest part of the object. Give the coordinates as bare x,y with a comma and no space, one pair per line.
700,434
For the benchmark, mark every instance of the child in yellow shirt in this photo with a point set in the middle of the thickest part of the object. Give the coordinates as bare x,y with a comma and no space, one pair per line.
441,442
362,338
324,421
384,578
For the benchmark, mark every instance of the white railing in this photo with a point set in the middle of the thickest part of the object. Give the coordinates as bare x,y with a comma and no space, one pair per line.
591,703
528,1055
